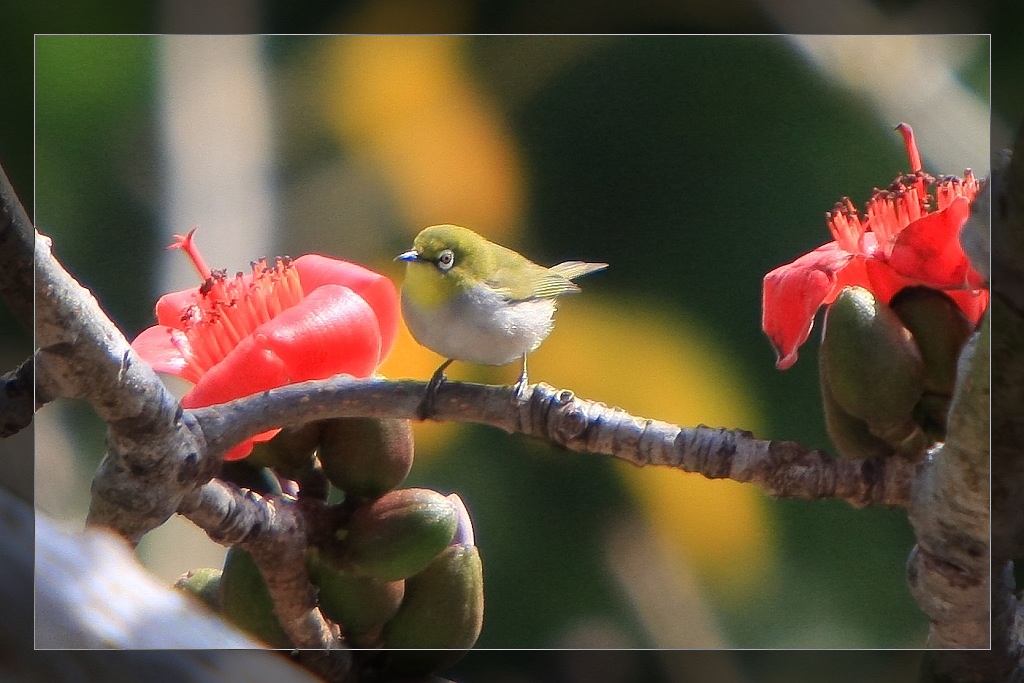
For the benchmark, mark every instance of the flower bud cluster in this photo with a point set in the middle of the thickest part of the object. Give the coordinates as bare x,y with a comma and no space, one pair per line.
401,574
887,371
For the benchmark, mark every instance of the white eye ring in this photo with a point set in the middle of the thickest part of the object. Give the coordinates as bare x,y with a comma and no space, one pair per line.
445,260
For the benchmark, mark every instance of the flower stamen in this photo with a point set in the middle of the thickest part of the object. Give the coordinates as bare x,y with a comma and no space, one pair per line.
845,225
908,139
187,243
224,311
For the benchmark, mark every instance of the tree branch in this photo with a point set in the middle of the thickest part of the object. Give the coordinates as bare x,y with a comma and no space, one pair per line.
949,571
151,443
16,253
1008,355
949,568
276,531
781,468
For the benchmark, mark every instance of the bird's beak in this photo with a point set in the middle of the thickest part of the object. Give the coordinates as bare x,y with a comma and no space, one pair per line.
407,256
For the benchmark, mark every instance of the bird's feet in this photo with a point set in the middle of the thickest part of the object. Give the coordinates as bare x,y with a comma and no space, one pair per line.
519,388
519,392
428,404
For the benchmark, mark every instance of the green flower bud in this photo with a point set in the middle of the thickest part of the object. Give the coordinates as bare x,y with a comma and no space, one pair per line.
441,615
940,330
850,436
399,534
204,584
244,474
366,457
246,601
871,364
290,451
360,604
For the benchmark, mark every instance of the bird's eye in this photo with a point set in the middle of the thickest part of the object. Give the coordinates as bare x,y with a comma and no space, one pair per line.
445,260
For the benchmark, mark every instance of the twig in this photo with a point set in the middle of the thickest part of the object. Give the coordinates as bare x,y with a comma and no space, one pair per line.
276,532
781,468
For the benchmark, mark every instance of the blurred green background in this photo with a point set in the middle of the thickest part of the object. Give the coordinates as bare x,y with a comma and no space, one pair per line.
692,164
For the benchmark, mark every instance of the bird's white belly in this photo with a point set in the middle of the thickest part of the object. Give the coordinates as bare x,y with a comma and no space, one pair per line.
481,327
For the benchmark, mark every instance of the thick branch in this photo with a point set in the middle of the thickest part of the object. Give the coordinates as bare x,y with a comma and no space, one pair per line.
154,451
781,468
949,569
16,233
1008,356
1004,245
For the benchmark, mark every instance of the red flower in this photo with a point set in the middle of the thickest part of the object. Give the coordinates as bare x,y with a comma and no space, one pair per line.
899,241
310,318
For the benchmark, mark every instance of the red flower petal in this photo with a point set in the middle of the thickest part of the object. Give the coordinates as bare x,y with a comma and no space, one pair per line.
792,294
331,331
883,281
376,289
929,248
286,322
247,370
972,303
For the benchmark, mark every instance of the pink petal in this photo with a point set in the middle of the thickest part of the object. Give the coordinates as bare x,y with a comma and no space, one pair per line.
793,293
376,289
165,348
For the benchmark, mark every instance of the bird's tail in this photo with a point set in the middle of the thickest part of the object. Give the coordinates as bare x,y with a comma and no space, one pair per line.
571,270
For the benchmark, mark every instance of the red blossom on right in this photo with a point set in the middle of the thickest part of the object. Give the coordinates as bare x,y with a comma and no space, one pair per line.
905,237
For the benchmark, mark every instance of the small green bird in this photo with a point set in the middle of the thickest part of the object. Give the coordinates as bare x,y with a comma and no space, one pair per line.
470,299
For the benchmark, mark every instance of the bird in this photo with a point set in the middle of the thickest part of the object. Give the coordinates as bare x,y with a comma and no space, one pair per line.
470,299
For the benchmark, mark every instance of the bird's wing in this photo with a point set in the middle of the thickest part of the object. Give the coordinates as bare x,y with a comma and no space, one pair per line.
537,282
